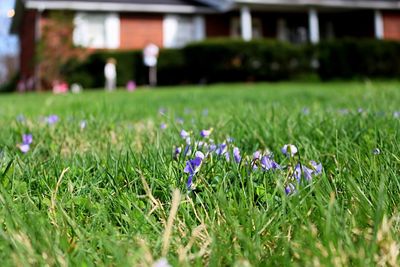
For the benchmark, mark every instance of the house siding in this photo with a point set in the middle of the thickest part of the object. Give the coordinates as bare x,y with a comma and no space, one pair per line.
391,25
138,30
27,44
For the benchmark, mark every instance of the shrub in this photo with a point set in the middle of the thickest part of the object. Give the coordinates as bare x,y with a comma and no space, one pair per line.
236,60
358,59
227,60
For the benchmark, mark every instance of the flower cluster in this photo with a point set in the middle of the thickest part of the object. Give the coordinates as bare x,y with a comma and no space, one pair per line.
295,171
26,142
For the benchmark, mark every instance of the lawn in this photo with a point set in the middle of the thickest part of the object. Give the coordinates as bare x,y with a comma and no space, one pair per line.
102,183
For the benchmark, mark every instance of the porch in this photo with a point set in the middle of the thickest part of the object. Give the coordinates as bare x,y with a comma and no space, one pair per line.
296,25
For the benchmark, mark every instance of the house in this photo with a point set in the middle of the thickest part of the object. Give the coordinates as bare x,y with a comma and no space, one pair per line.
132,24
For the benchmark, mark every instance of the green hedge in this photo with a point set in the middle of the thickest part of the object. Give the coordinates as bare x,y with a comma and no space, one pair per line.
358,59
227,60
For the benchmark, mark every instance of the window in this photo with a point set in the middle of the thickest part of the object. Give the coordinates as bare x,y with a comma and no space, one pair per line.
180,30
96,30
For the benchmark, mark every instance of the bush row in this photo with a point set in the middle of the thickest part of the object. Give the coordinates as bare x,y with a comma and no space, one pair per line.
224,60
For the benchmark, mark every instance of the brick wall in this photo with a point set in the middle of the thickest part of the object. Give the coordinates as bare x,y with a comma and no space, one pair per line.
391,24
217,26
138,30
27,44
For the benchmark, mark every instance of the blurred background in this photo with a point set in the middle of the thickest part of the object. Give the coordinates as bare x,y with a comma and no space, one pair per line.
195,41
9,47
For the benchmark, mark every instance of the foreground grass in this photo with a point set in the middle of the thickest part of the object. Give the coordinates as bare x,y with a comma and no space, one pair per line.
103,195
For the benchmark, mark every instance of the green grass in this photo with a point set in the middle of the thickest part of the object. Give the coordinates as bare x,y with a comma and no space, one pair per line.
103,195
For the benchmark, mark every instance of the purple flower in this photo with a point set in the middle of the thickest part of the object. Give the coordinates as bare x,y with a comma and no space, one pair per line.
179,120
229,140
317,167
290,189
289,150
236,155
221,149
163,126
187,150
302,170
184,134
177,152
256,155
24,148
52,119
200,144
187,140
206,133
192,167
212,147
27,139
396,114
268,164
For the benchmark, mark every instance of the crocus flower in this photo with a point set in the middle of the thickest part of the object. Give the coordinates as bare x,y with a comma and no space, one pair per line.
52,119
317,167
192,167
187,140
290,189
205,133
289,150
200,144
396,114
163,126
162,111
302,170
256,155
184,134
229,139
177,152
27,139
236,155
26,142
179,120
268,164
221,149
24,148
187,150
212,147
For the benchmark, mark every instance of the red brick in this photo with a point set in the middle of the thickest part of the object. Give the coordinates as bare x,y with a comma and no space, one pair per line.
391,24
138,30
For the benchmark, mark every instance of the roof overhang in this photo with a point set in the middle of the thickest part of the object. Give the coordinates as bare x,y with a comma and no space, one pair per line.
19,11
115,7
337,4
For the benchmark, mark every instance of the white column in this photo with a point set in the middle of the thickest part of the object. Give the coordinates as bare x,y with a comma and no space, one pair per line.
199,28
313,25
378,21
112,29
245,23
